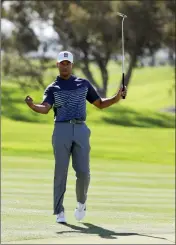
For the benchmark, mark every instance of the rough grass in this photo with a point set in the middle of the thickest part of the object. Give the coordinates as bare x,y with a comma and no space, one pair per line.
148,93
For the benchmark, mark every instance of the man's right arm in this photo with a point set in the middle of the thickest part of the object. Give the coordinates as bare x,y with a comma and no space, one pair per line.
40,108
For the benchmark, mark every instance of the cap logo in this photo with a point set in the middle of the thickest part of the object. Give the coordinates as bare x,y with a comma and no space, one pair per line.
66,55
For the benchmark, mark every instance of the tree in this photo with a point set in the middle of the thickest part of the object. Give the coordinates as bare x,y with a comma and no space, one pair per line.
96,43
144,29
15,60
168,8
92,31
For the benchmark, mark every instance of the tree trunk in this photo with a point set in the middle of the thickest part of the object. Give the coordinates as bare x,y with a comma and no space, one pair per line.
101,92
86,70
171,57
130,69
153,62
89,76
104,74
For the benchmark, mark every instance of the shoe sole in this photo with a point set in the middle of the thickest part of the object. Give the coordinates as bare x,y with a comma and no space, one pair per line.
82,217
62,223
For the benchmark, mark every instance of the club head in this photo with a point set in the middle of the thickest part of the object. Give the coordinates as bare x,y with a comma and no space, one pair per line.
122,15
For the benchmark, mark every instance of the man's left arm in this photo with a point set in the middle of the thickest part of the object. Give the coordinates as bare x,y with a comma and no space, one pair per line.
102,103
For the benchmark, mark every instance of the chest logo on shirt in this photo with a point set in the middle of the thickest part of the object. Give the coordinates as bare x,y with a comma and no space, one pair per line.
78,79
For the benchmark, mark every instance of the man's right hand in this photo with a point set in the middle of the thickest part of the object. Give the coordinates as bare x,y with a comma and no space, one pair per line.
43,108
29,101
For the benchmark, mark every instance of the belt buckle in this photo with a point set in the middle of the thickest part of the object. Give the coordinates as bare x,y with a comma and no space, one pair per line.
73,121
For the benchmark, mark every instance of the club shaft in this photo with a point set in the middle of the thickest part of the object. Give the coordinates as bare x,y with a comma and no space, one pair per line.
123,54
123,59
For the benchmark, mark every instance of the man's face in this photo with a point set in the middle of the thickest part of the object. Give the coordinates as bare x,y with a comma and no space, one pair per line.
65,68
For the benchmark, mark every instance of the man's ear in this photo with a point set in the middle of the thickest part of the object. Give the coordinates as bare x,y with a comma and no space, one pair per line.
57,64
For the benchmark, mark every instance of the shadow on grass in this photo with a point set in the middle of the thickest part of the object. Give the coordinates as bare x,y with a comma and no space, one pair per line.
13,106
128,117
102,232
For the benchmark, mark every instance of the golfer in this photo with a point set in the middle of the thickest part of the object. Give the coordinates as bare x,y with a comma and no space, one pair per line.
67,96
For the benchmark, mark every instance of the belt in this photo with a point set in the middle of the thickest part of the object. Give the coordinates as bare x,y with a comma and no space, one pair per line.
74,121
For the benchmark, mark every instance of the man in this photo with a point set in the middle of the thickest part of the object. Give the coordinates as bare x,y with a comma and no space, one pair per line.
67,95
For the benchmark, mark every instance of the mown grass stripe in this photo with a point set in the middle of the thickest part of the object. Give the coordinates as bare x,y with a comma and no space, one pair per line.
45,172
7,189
107,190
98,179
99,202
92,196
107,204
141,208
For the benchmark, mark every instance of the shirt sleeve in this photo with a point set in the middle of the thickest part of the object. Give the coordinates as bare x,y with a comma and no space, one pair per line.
92,94
48,96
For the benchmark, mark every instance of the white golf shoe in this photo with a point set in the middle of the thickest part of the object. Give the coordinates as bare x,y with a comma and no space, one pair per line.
61,218
80,211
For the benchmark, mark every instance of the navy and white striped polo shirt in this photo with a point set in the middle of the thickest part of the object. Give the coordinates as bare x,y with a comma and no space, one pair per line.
68,98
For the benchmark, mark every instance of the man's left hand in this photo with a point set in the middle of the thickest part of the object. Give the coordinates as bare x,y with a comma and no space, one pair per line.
122,92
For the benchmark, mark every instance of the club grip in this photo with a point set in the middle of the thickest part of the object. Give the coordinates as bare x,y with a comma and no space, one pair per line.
123,84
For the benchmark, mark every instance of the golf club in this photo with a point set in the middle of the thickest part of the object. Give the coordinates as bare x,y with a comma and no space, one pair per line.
123,55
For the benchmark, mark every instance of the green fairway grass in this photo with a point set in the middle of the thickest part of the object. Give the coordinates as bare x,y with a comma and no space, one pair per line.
132,163
131,190
151,145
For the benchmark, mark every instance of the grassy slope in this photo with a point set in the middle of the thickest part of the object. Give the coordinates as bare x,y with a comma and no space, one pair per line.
153,145
108,141
148,93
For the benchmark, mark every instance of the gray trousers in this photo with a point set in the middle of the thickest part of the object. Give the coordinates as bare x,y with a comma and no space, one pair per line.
70,140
